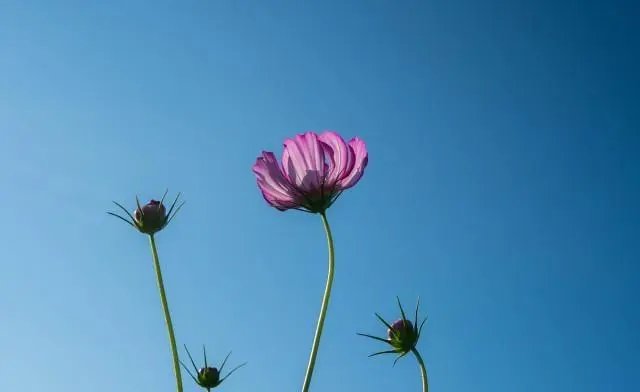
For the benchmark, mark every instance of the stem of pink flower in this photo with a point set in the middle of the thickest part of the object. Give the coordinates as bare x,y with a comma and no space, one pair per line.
167,315
423,370
325,305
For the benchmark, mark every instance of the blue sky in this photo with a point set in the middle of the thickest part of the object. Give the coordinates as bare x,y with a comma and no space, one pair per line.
503,188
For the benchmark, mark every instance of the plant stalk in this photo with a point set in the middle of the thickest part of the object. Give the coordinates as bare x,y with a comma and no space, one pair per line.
325,305
167,315
423,370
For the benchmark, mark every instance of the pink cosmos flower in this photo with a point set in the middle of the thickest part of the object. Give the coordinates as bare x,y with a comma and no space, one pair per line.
315,170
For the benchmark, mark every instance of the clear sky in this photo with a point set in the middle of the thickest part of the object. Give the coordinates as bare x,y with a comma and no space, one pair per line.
503,187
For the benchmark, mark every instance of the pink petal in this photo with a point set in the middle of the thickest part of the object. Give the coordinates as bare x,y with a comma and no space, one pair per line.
341,158
361,158
275,188
303,162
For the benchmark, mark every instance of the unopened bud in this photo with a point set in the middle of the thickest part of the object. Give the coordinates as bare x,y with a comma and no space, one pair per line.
402,335
208,377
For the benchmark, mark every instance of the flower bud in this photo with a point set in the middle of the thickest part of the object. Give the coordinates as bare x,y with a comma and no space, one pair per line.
208,377
150,218
402,335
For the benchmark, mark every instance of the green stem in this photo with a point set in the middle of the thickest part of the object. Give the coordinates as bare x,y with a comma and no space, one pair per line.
423,370
323,309
167,315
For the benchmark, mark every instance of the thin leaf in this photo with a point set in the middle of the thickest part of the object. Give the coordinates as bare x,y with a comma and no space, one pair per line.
335,198
125,211
162,200
383,352
397,359
415,323
374,337
189,372
139,207
173,204
224,362
191,358
423,321
204,351
175,213
231,372
118,216
393,331
404,317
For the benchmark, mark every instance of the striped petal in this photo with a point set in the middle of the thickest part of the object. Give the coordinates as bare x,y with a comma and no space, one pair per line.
341,158
303,162
275,188
360,161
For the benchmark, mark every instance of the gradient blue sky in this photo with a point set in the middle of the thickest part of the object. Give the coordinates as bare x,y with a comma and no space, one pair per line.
503,187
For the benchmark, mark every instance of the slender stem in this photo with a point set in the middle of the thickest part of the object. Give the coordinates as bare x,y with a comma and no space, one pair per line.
423,370
325,305
167,315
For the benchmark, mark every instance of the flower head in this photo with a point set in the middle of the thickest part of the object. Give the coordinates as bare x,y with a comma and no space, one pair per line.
150,218
402,335
208,377
315,170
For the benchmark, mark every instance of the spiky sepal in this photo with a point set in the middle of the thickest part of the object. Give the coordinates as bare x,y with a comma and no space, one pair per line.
150,218
402,335
208,377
